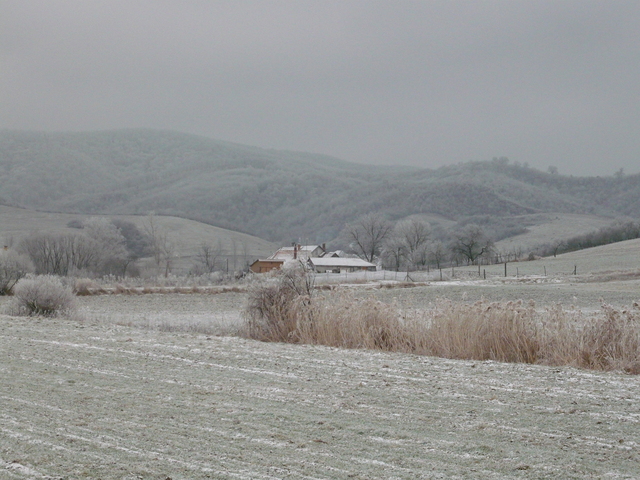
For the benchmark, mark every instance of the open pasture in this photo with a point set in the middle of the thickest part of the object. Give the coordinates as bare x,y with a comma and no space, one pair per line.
603,263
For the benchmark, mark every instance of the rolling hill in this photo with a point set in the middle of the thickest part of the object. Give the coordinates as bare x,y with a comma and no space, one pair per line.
280,195
185,235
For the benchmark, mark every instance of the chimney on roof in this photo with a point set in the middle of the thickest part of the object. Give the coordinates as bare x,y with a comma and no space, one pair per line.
324,247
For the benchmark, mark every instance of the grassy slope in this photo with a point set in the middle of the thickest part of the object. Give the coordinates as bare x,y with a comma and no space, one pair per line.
616,259
545,228
185,234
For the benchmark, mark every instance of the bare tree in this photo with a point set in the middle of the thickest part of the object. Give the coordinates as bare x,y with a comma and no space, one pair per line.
414,235
438,253
49,253
366,235
393,254
557,245
471,243
163,250
209,254
153,231
13,267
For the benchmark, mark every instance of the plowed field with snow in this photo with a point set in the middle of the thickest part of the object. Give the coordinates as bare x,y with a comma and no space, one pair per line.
117,397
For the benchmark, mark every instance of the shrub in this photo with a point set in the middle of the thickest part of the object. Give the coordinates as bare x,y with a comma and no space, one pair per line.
86,286
42,295
13,267
274,301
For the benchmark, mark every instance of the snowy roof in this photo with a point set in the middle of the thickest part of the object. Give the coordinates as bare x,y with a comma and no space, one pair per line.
303,250
340,262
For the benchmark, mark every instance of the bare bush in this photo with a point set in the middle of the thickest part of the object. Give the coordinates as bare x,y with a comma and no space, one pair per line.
13,267
274,303
42,295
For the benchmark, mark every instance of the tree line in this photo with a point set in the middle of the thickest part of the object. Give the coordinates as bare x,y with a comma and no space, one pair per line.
618,231
411,244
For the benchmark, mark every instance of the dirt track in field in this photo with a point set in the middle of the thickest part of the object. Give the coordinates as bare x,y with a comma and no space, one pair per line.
100,400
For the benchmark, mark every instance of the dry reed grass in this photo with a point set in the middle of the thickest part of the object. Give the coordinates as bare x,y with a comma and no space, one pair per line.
284,309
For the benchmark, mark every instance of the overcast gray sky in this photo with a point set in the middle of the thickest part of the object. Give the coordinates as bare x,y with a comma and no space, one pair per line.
390,82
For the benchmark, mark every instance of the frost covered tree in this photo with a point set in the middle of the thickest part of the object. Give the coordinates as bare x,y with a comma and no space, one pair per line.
162,248
413,235
13,267
470,243
438,253
393,254
108,243
209,255
366,235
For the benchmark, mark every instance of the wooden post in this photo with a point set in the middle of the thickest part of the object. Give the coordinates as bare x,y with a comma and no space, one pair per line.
575,269
440,274
545,270
505,269
484,273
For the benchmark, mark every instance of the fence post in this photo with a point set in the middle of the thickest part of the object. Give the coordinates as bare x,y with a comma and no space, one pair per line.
440,274
575,269
505,269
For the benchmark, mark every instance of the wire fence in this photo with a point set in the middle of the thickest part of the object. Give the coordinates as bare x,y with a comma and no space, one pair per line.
377,276
488,272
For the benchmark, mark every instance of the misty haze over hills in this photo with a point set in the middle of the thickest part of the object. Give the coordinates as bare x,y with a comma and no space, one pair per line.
277,195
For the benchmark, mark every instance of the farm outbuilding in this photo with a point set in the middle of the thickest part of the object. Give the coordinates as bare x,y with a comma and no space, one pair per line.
264,266
340,265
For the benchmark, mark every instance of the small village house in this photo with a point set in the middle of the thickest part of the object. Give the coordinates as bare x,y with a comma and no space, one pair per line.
285,254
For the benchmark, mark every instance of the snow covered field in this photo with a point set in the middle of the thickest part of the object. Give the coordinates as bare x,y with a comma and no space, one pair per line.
145,387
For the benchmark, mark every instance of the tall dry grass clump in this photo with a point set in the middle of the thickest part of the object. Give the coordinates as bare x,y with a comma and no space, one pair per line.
284,308
341,320
612,341
505,332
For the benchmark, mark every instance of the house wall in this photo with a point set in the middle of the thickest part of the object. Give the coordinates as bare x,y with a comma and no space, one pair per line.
337,269
264,266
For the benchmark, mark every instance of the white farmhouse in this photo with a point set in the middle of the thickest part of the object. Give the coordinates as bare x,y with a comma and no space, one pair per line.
339,265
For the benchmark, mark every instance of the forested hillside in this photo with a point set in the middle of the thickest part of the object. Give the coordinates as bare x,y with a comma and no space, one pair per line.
276,195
